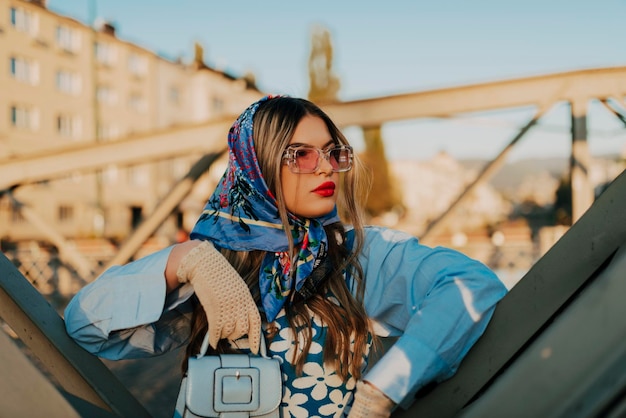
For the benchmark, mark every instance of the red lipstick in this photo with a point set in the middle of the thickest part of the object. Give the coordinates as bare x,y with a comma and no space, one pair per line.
326,189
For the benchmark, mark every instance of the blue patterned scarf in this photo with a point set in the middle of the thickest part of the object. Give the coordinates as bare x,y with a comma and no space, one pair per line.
242,215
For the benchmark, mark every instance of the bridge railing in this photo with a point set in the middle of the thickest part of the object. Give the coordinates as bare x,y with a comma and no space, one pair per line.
86,385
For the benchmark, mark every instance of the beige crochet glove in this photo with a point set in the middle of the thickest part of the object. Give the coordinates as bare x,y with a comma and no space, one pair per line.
370,402
225,297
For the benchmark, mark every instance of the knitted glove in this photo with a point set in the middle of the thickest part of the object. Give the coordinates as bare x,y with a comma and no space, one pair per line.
230,309
370,402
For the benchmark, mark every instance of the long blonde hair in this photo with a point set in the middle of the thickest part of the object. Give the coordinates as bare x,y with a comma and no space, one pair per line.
274,124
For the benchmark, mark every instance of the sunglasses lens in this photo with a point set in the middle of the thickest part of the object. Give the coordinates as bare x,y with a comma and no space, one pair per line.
340,159
306,159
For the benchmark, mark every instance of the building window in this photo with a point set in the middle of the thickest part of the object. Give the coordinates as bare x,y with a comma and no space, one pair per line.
136,216
69,82
107,132
174,95
137,102
138,176
68,38
24,70
69,126
217,104
16,215
74,177
24,21
106,95
66,213
106,53
137,64
110,174
24,117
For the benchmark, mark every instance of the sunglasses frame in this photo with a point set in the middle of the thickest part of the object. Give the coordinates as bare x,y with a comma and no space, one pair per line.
289,155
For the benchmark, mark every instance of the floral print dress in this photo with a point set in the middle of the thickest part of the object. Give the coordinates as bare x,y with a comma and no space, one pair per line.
319,391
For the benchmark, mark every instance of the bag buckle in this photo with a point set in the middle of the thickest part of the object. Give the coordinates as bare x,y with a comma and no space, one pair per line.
236,389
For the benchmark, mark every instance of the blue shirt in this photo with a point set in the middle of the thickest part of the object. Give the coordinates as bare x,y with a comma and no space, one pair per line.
437,301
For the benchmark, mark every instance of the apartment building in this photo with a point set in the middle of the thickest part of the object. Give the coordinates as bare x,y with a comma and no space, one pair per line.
64,83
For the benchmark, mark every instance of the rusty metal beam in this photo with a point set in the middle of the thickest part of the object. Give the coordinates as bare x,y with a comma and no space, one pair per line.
164,209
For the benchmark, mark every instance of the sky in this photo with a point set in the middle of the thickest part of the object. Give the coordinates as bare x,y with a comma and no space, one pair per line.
388,47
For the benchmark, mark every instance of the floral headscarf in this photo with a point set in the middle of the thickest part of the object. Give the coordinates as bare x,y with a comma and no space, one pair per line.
242,215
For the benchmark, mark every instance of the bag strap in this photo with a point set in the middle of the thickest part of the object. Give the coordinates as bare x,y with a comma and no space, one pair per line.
205,345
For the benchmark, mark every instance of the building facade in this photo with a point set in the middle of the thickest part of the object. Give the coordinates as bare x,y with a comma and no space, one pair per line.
63,83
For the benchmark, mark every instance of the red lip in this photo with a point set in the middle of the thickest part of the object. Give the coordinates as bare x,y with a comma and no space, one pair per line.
325,189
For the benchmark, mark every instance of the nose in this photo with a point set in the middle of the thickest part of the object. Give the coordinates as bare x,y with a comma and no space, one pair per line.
325,165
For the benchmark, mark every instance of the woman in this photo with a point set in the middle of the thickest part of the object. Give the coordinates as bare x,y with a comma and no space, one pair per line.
323,286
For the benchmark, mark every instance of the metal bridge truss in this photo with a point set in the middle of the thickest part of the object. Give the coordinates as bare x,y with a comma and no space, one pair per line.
554,348
543,92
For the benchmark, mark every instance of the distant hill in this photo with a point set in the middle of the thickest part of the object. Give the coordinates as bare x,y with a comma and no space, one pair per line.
512,174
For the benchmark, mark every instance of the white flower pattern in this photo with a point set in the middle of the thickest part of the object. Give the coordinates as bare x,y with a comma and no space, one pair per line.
339,402
319,378
285,345
291,405
319,391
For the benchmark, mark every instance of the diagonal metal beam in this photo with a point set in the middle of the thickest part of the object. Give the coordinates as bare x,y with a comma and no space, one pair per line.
41,328
67,252
20,379
577,366
164,209
614,111
490,168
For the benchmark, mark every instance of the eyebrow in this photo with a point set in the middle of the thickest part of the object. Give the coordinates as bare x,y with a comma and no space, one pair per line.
326,145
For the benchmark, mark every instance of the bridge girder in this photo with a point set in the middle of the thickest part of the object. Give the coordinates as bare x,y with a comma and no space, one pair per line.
209,137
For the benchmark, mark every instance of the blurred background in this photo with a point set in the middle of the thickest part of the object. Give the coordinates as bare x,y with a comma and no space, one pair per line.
489,126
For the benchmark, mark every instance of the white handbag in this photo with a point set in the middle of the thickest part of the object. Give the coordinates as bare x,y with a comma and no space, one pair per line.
230,385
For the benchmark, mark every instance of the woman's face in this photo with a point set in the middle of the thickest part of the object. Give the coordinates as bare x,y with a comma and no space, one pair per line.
311,195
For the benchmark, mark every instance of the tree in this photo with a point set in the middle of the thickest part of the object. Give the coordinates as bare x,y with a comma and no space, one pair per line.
383,195
324,85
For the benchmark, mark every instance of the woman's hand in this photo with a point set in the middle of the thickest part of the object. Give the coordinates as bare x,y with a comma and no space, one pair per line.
369,402
230,309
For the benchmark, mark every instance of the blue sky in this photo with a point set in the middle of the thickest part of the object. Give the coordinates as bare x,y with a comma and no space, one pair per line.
385,47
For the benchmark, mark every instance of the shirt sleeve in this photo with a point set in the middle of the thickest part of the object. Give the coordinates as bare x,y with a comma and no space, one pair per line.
436,300
125,314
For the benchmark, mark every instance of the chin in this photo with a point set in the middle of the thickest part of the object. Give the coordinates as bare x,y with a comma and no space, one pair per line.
315,212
